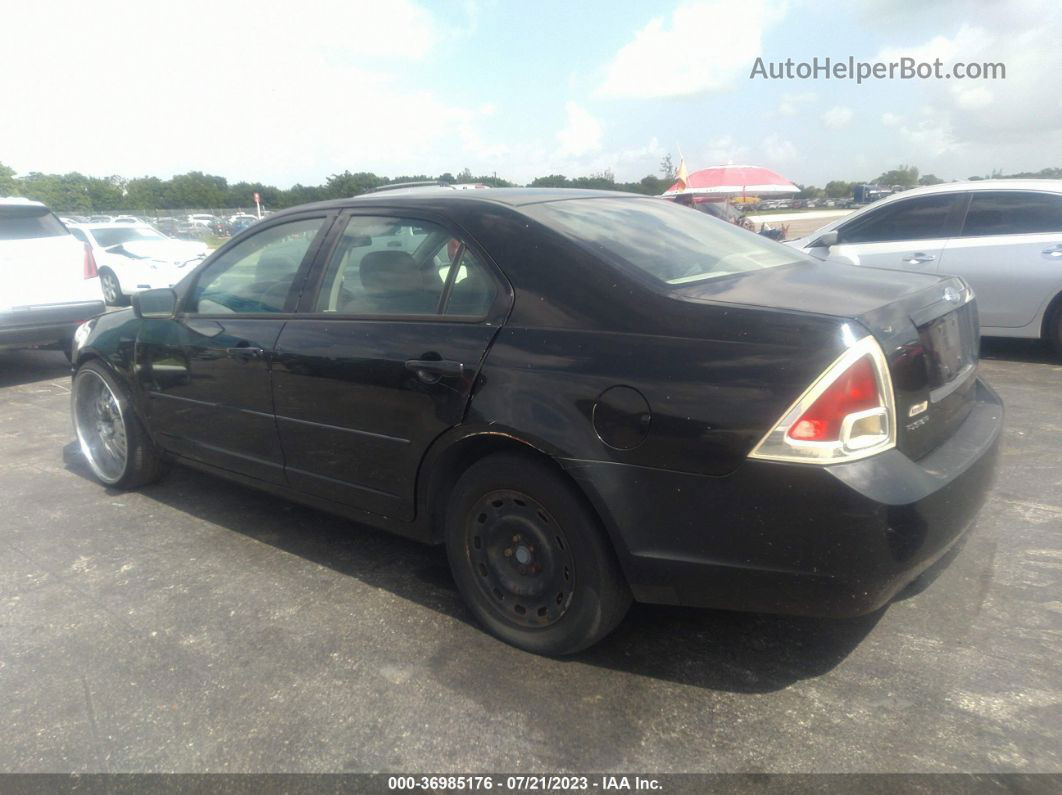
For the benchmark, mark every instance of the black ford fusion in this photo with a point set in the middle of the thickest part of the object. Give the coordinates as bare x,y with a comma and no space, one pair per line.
588,397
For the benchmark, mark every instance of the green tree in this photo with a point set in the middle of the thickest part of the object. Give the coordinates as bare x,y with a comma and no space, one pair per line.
552,181
339,186
929,179
667,169
195,190
903,175
838,189
9,184
61,192
144,194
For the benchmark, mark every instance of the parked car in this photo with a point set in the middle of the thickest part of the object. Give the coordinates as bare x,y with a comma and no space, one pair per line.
50,284
135,257
238,223
1004,237
588,397
128,219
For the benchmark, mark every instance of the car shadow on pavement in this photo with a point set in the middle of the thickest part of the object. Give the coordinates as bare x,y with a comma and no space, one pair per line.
714,649
1017,350
18,367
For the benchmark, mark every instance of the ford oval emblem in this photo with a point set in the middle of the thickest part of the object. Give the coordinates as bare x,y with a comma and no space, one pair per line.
951,295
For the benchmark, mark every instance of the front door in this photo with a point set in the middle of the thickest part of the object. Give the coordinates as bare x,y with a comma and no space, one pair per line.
383,359
908,234
206,373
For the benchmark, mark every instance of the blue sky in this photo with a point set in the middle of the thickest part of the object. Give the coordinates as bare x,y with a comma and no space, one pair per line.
291,93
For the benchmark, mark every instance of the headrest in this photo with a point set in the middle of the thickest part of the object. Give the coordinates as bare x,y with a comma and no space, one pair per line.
390,270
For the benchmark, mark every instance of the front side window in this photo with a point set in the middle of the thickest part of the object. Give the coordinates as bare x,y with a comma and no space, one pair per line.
257,274
920,218
402,266
670,243
1012,213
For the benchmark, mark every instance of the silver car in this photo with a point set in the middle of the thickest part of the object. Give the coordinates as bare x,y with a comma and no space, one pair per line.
1004,237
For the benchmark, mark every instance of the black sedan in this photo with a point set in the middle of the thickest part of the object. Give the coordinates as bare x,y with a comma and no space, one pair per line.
588,397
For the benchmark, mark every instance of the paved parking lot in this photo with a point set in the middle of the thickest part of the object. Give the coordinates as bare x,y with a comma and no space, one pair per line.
201,626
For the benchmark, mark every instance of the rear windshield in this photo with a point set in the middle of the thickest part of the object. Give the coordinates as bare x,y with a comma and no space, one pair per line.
113,237
673,244
22,223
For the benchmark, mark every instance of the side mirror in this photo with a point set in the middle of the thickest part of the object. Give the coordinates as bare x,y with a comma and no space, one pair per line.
825,240
160,303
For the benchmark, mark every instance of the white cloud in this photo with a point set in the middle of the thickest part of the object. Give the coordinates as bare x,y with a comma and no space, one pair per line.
994,114
723,150
837,117
791,103
778,151
672,58
582,132
242,89
890,119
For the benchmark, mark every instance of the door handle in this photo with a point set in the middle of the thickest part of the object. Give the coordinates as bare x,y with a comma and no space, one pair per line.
1055,252
244,353
431,370
918,258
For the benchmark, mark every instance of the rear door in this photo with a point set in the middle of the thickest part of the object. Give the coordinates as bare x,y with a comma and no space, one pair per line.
1010,252
908,234
382,357
206,373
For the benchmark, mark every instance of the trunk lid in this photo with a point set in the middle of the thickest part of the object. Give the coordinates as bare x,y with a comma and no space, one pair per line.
925,323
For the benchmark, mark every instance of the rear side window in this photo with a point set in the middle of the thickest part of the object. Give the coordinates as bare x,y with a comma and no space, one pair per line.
1012,213
921,218
670,243
23,223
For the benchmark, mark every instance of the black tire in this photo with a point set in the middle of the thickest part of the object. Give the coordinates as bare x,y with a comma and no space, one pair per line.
530,557
112,288
140,462
1053,333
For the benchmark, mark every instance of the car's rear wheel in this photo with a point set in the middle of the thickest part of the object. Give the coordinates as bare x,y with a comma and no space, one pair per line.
531,559
112,289
1054,329
113,441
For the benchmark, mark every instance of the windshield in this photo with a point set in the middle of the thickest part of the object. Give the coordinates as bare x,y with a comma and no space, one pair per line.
25,222
113,237
672,244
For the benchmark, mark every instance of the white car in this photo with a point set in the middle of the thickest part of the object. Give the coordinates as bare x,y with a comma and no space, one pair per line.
49,282
136,257
1004,237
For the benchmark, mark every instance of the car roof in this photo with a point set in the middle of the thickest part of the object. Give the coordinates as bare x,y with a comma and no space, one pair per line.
510,197
983,184
19,201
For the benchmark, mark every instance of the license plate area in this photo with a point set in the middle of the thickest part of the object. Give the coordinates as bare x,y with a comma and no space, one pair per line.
951,348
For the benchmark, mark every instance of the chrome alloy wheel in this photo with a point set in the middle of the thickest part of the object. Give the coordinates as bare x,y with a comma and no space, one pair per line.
100,426
111,291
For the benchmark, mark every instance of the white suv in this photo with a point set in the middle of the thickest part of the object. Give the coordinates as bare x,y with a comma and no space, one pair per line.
49,284
1004,237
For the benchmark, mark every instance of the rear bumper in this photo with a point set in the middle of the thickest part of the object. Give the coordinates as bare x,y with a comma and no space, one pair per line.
45,325
794,538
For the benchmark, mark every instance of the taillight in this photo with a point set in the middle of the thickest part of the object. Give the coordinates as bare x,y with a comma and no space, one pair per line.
90,263
848,413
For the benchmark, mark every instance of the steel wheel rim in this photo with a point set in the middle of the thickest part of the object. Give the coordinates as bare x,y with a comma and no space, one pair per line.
520,558
110,287
100,426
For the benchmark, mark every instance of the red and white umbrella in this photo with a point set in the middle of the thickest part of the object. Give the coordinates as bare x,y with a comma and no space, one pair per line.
754,180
